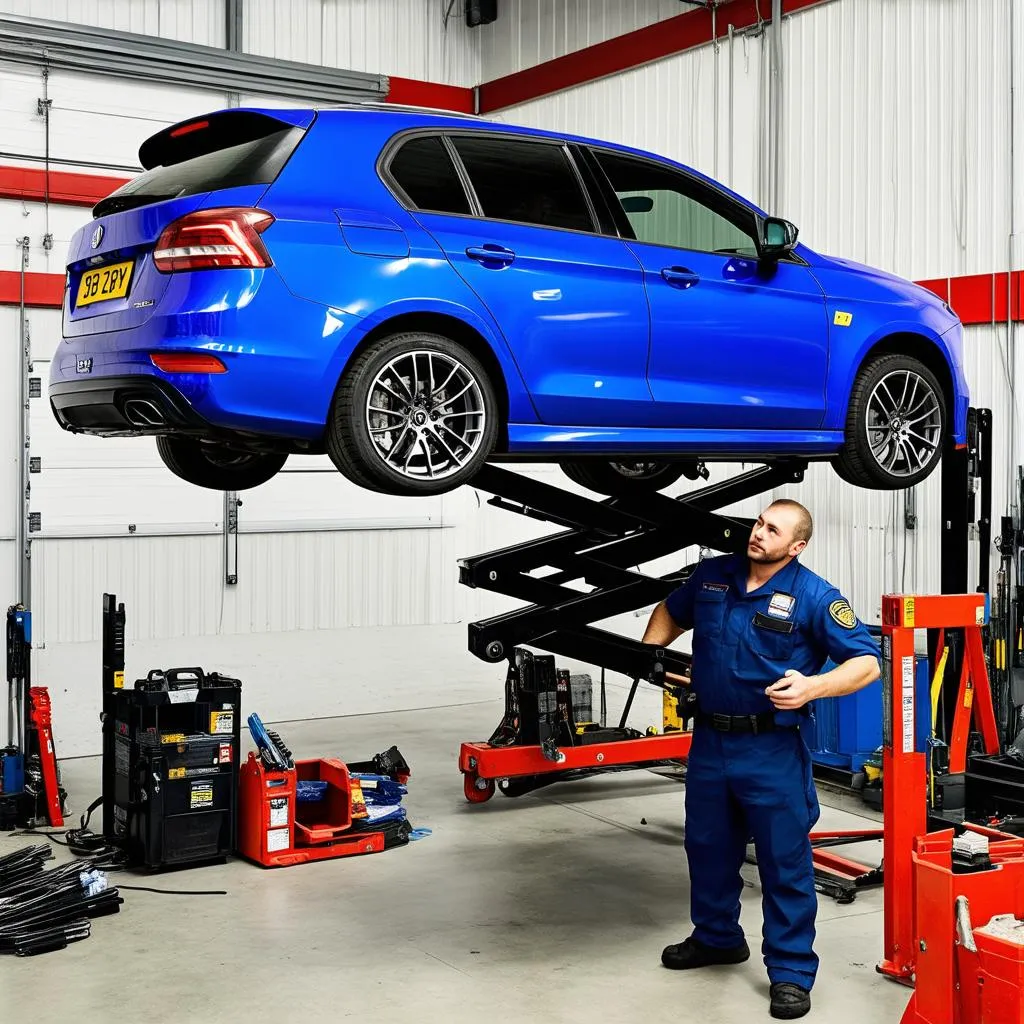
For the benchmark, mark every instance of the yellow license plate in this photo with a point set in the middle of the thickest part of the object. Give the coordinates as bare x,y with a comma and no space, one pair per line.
104,283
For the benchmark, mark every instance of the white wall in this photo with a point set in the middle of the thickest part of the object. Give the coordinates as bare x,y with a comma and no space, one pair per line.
407,38
191,21
528,32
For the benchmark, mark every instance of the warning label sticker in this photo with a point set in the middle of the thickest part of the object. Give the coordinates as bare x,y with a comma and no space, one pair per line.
222,722
908,704
277,839
278,811
201,796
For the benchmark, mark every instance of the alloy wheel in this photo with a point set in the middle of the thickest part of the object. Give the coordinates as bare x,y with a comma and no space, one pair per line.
425,415
903,423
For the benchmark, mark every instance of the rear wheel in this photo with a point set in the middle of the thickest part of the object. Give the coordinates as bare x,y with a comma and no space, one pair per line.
415,414
895,425
625,479
216,466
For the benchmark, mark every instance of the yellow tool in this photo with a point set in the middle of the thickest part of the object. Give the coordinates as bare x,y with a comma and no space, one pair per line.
936,690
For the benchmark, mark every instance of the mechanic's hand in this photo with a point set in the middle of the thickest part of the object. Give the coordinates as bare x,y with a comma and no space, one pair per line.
679,680
792,691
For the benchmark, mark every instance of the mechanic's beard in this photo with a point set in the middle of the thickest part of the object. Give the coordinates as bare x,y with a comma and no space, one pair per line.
763,558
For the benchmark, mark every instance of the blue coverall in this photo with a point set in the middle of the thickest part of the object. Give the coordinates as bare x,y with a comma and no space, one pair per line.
743,784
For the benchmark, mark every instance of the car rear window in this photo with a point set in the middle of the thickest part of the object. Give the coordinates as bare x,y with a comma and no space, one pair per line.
424,171
204,160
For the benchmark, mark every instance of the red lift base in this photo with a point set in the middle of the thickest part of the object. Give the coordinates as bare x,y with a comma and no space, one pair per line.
482,764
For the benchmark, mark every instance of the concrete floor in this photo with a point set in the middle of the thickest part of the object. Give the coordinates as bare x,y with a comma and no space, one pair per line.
552,907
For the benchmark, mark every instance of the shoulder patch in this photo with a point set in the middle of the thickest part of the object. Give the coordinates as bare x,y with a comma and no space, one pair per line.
842,613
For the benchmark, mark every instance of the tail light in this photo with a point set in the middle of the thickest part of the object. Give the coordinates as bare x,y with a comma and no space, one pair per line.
213,239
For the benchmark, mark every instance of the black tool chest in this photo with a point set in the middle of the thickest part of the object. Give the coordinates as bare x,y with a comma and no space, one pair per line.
175,747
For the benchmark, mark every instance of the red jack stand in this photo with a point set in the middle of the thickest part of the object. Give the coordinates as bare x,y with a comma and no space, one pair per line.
39,719
904,770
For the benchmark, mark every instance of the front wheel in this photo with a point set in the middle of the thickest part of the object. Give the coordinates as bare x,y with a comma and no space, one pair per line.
216,466
895,425
415,414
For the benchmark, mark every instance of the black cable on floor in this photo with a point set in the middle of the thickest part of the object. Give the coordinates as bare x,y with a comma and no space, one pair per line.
177,892
83,842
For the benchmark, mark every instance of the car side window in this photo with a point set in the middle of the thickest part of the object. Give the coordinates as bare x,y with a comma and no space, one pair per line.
424,171
527,182
666,207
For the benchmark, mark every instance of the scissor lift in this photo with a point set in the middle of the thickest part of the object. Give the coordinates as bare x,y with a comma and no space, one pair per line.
602,544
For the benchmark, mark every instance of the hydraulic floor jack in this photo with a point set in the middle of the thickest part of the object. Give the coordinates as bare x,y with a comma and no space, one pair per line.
601,546
30,790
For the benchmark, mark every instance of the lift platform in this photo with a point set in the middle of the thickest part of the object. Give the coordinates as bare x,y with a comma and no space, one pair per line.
585,573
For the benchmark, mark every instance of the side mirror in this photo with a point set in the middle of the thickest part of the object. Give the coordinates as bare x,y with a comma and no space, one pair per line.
637,204
776,237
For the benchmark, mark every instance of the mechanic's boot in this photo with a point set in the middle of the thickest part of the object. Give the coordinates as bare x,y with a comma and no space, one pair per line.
691,953
789,1001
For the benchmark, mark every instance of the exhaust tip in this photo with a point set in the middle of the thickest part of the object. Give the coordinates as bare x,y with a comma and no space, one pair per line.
142,412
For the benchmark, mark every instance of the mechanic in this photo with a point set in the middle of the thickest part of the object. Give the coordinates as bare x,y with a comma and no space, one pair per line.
763,628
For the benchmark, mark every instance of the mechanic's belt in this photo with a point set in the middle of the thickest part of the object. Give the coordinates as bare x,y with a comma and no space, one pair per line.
755,724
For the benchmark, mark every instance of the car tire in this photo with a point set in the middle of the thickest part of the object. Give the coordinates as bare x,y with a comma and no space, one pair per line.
895,425
381,417
625,479
216,466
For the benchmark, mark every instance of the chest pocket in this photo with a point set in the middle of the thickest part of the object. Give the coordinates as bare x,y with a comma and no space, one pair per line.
773,638
709,609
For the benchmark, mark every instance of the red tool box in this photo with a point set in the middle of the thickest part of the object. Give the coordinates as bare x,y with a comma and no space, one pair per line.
276,830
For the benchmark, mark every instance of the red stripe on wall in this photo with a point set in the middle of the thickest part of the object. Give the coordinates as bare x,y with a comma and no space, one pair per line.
982,298
939,285
65,187
632,50
44,290
430,94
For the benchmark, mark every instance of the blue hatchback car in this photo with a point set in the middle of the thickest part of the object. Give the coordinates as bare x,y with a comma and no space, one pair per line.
416,294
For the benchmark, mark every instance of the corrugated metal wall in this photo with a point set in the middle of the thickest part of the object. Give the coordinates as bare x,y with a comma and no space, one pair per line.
192,21
528,32
423,39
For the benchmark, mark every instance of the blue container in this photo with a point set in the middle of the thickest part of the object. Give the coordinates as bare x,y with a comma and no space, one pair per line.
846,731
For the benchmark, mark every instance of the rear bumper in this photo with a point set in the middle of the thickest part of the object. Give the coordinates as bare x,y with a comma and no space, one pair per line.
122,406
137,405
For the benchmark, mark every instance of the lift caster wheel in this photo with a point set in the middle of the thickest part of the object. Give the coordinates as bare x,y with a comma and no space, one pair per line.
477,790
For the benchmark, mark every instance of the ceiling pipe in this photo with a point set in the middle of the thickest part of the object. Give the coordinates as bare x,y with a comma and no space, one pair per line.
775,107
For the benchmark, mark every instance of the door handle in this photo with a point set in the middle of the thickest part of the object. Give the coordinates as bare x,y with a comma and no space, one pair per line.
681,276
491,254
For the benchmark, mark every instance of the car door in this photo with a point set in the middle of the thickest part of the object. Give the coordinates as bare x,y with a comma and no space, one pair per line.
735,344
569,300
